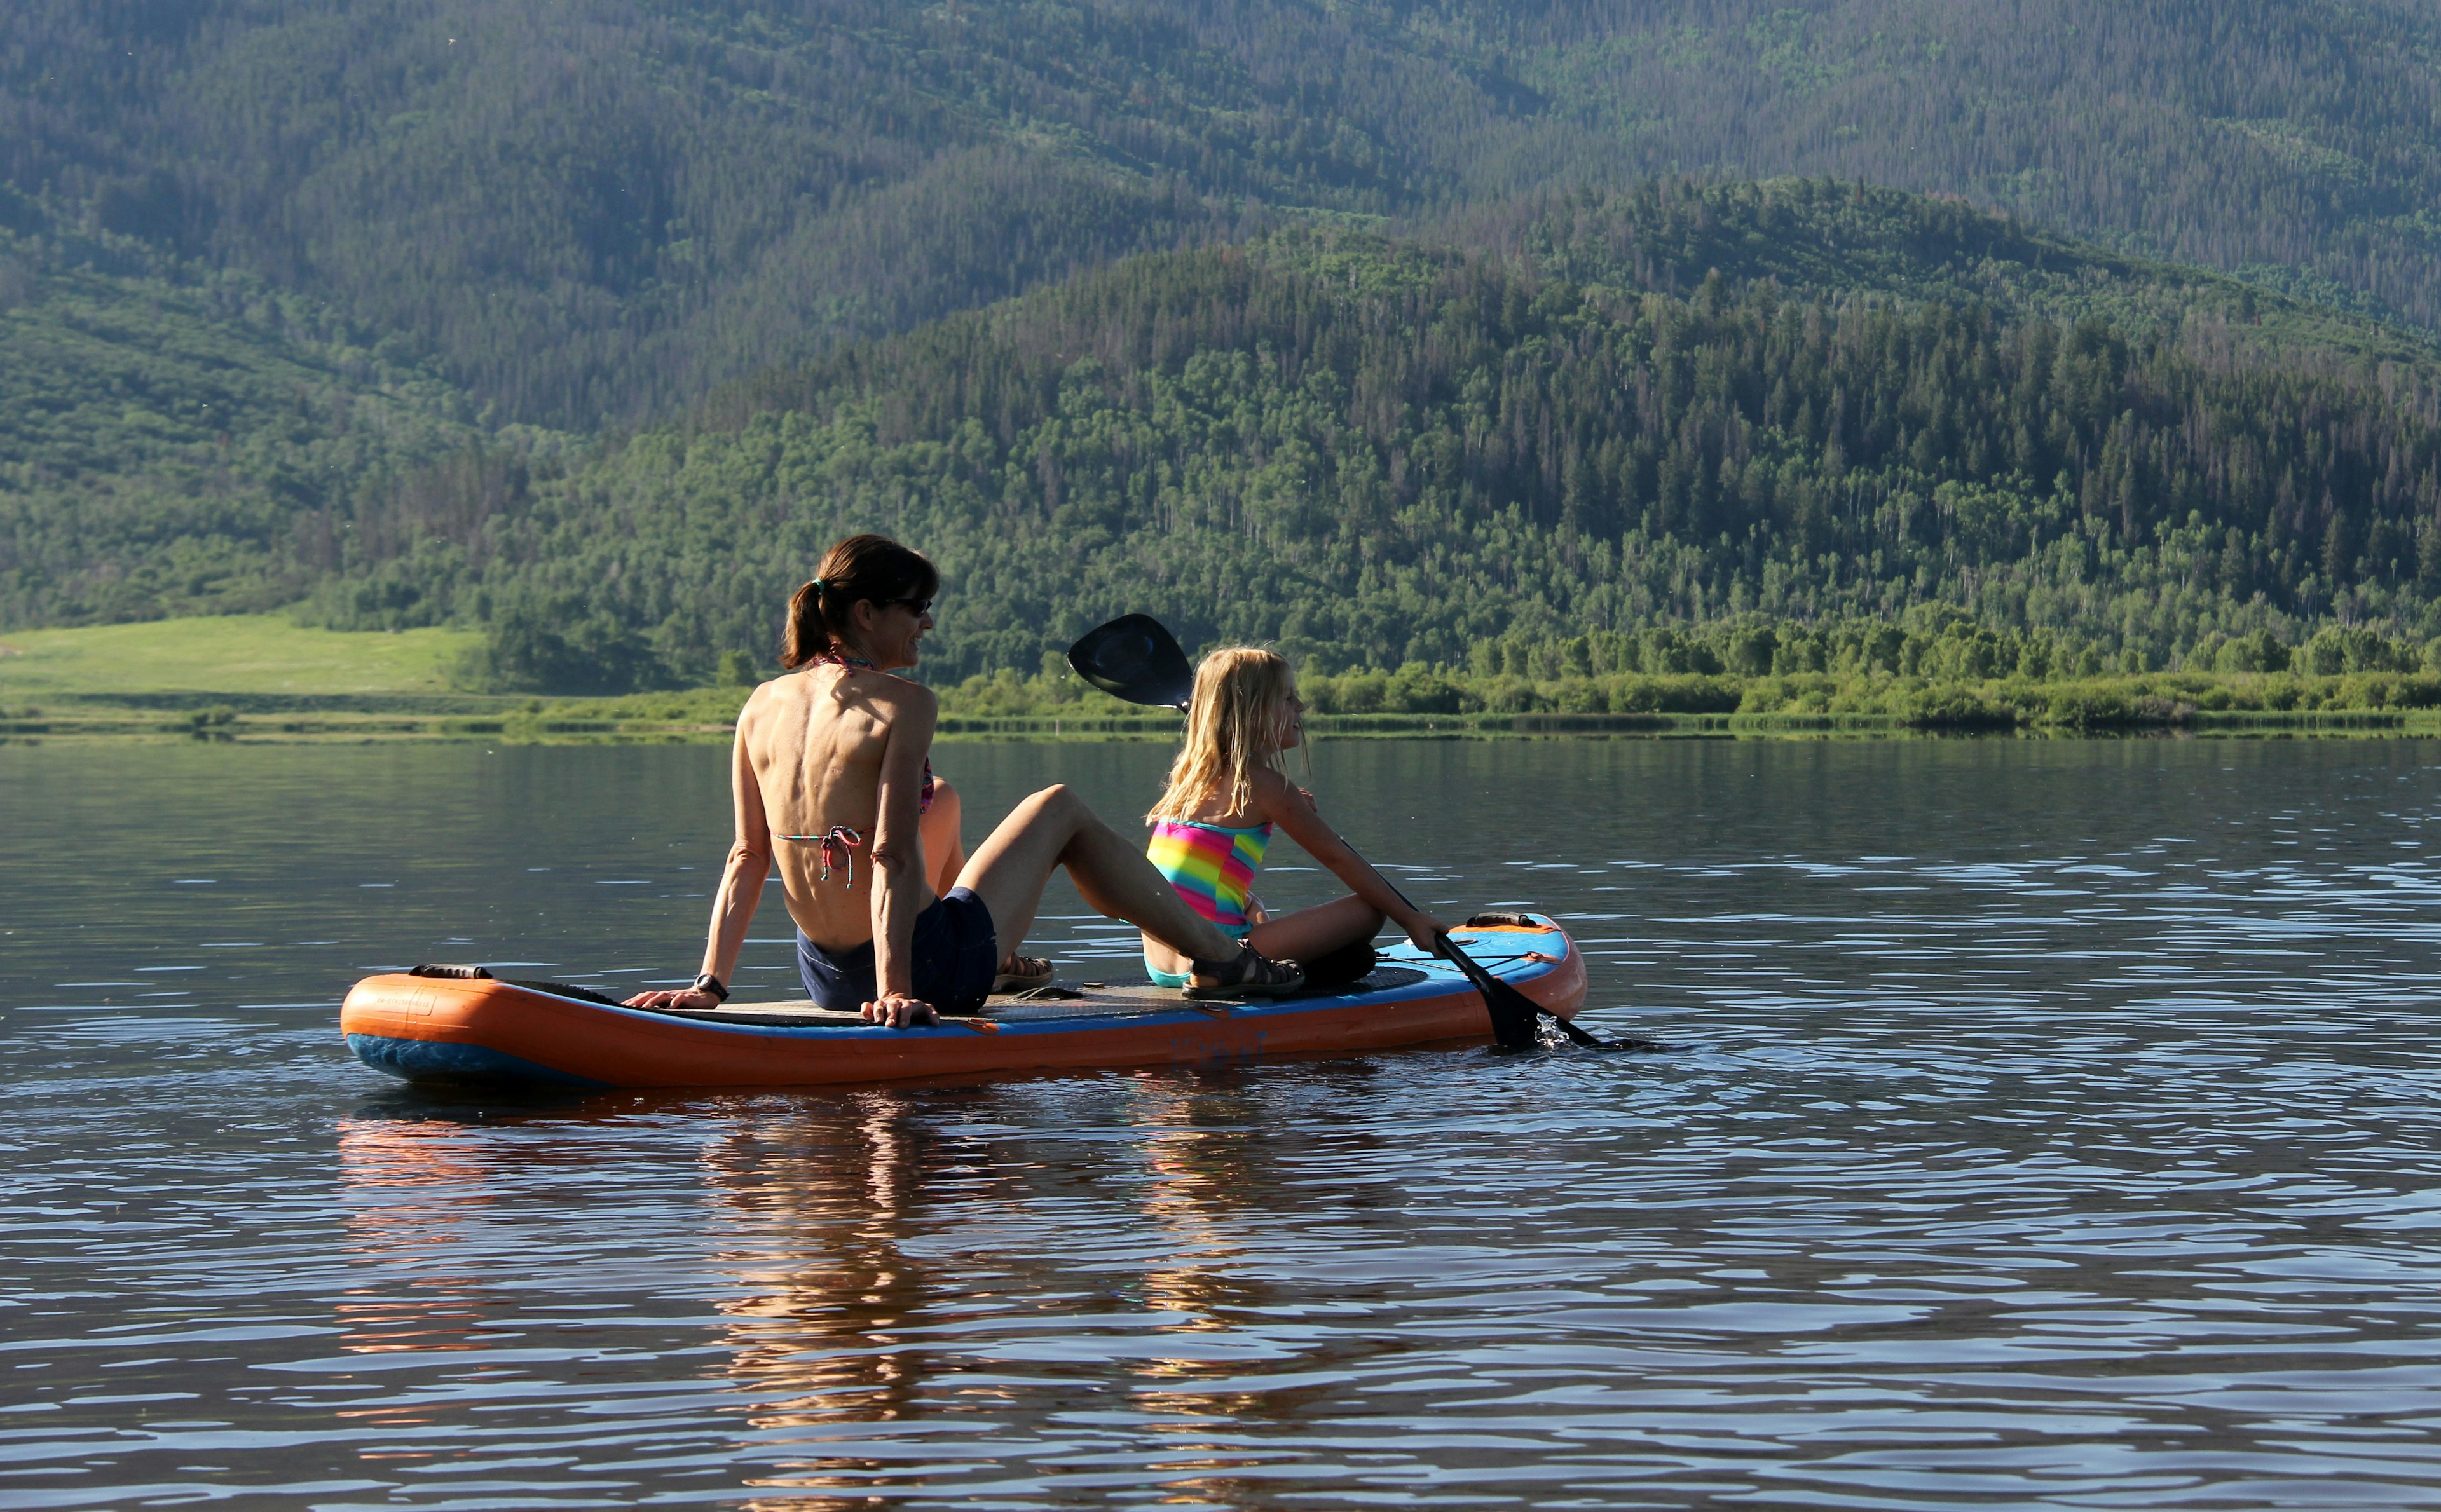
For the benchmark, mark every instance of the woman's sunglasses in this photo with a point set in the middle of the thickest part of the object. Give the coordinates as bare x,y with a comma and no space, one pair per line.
919,606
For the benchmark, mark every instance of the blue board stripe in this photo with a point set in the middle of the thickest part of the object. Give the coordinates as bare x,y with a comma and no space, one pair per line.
429,1060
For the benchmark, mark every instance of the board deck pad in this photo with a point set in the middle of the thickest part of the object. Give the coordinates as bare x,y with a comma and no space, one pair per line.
1061,1000
1071,1000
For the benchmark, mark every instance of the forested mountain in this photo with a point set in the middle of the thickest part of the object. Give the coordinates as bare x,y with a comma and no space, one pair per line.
1394,347
1836,240
1376,453
592,211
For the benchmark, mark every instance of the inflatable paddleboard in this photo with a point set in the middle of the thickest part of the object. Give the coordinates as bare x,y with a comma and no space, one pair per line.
460,1023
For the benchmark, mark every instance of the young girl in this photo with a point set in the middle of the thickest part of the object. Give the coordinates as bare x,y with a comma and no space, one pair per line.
1227,793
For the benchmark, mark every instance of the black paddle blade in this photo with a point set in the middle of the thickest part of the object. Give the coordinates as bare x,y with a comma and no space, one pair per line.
1512,1012
1134,658
1584,1041
1514,1015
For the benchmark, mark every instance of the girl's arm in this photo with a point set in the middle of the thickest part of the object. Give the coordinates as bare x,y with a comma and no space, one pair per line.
1292,808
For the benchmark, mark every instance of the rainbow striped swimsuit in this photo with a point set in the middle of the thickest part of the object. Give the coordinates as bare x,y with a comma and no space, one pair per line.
1212,867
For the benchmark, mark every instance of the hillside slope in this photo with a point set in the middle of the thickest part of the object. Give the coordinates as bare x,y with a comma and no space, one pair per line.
1380,452
174,440
1832,240
1376,451
595,216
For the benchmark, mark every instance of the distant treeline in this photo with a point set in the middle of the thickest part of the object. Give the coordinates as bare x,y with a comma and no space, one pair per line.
593,214
176,440
1937,669
1938,646
1440,697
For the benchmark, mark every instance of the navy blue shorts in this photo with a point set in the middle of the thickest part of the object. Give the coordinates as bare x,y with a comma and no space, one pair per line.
956,958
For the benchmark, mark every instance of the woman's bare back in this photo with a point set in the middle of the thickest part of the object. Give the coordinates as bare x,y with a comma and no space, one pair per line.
810,747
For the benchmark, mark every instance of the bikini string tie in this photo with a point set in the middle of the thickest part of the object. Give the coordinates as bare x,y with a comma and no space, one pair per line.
837,843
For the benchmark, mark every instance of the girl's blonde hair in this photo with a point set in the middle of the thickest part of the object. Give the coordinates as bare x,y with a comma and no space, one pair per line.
1240,694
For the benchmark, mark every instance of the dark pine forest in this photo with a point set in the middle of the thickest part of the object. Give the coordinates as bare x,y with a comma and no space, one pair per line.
1378,453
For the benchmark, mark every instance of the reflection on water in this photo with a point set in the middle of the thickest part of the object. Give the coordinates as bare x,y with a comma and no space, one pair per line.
849,1309
1205,1155
412,1193
815,1211
2048,1124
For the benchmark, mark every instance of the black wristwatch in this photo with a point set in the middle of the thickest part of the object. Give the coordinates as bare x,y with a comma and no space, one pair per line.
708,982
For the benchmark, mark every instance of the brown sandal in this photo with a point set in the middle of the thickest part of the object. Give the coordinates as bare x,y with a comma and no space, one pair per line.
1243,976
1021,974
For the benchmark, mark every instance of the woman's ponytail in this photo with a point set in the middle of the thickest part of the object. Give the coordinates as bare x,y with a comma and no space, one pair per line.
805,638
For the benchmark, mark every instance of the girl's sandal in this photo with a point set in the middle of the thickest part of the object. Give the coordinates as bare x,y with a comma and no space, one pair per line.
1243,976
1021,974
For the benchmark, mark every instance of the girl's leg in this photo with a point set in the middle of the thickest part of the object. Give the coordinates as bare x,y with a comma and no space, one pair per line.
1052,829
1310,934
1305,936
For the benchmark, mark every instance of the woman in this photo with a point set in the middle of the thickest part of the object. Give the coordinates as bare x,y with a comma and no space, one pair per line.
830,775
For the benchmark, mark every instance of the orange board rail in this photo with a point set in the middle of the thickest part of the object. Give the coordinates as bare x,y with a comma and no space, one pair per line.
427,1028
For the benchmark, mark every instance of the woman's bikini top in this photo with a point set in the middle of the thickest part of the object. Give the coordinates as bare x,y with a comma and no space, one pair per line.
837,842
1212,867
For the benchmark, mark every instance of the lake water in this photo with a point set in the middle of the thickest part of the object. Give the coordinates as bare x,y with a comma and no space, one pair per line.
2042,1124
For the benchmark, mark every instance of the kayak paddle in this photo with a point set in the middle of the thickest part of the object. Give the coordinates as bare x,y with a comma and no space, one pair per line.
1136,658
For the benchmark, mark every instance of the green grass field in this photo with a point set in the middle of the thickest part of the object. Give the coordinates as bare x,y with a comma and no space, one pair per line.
243,656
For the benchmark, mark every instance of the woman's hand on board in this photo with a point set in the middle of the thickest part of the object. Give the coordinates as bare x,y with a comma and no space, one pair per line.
899,1011
683,997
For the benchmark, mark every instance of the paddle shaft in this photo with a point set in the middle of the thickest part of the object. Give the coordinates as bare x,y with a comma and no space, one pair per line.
1513,1012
